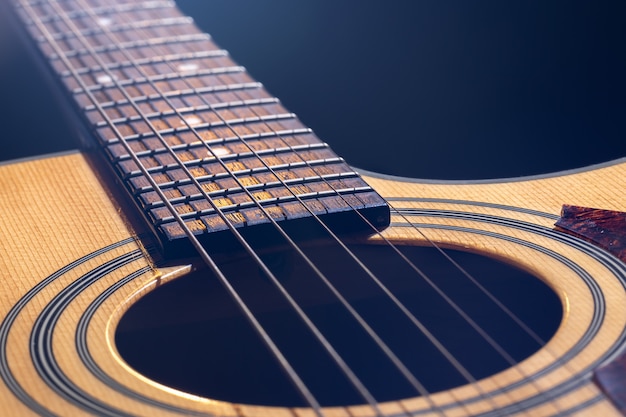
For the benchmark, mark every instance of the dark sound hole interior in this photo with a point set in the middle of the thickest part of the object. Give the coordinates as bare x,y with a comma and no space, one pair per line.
189,334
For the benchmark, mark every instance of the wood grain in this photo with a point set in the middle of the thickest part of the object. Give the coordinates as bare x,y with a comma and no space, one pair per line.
54,241
605,228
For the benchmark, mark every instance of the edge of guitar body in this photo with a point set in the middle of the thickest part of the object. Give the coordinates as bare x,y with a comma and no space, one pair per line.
500,217
58,243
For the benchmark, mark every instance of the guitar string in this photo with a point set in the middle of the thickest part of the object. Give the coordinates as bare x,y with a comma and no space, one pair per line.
468,377
557,358
422,328
457,308
361,321
351,376
377,339
359,213
266,339
542,344
516,319
329,348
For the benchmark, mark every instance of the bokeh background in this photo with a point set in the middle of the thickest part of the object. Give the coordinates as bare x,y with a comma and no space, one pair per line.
428,89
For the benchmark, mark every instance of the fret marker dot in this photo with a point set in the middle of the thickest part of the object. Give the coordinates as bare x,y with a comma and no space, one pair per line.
187,67
104,21
104,79
220,151
191,120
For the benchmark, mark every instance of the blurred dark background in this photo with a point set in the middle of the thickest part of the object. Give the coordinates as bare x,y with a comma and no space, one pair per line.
428,89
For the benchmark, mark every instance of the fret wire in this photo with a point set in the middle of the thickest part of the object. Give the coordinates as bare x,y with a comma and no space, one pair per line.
132,26
208,125
136,136
64,36
201,125
154,60
347,372
261,187
263,135
227,140
406,373
267,202
301,387
272,151
179,95
268,186
89,29
161,77
176,94
166,40
192,110
118,8
115,6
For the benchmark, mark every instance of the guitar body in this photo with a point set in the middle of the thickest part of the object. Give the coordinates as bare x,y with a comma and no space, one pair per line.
72,264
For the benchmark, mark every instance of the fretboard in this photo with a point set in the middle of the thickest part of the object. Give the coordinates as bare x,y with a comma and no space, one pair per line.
190,134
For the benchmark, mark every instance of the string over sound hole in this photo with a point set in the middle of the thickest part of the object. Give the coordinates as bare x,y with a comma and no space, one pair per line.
189,335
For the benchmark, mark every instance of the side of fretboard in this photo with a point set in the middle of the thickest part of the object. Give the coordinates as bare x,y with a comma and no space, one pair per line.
169,108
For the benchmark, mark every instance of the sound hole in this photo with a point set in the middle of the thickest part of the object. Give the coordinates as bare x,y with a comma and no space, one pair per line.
189,335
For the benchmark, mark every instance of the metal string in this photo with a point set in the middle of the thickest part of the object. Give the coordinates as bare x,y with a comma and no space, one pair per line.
292,374
361,321
373,277
330,349
397,362
459,367
390,354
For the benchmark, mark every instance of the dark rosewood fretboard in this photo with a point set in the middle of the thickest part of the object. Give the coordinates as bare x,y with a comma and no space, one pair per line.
153,88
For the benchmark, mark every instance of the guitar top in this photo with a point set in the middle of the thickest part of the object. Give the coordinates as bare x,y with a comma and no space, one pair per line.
189,162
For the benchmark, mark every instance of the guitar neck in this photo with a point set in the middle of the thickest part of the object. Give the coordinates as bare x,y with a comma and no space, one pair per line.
197,143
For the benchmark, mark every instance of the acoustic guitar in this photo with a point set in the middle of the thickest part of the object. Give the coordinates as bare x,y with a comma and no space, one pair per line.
206,254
